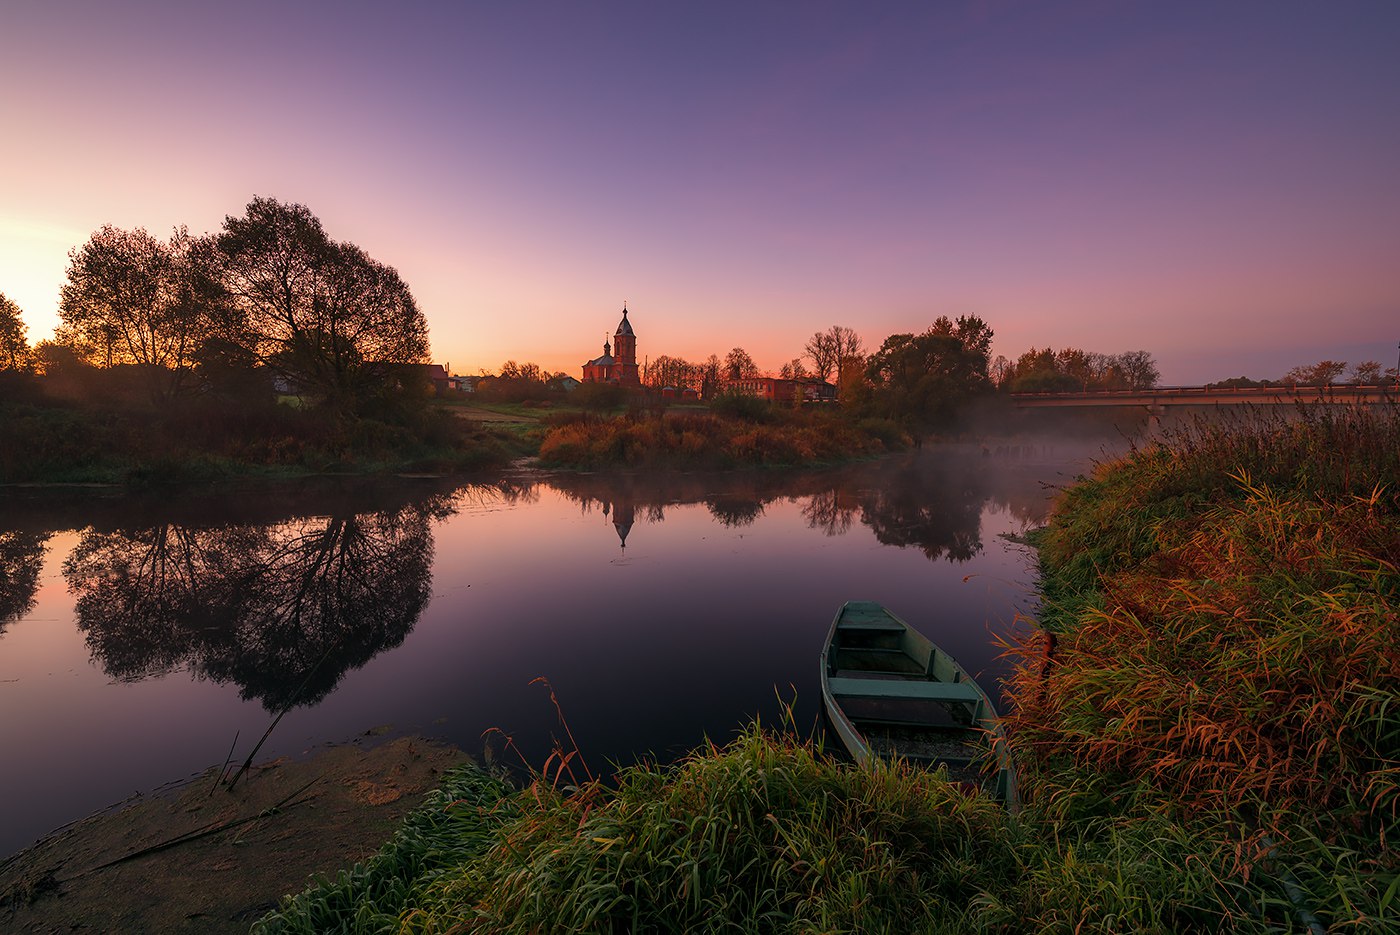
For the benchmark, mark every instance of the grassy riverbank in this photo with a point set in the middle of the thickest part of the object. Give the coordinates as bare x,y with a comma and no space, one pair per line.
1207,731
200,441
729,436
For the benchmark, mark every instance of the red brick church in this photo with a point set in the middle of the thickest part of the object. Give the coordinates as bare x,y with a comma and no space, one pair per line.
619,361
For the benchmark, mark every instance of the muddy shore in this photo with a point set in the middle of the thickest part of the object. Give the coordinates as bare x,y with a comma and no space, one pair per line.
203,857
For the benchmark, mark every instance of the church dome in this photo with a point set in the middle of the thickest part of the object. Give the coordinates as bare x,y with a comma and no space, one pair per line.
624,326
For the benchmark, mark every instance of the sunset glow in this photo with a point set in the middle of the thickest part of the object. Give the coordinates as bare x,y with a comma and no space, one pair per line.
1214,184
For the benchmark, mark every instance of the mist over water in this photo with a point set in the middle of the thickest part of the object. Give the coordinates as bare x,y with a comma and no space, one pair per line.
138,636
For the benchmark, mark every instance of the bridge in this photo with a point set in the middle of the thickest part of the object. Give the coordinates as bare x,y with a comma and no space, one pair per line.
1158,399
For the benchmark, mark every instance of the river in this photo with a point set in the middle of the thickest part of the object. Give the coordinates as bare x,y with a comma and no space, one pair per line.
142,636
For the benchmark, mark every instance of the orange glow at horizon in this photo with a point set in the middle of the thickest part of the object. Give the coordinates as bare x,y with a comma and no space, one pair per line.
1215,187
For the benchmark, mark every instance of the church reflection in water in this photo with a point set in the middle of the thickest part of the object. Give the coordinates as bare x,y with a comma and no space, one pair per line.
933,504
624,514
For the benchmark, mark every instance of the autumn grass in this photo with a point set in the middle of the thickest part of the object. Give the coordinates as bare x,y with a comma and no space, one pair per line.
690,439
1223,616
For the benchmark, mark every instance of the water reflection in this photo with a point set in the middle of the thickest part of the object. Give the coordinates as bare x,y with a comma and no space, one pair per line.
928,502
935,507
283,595
21,559
281,610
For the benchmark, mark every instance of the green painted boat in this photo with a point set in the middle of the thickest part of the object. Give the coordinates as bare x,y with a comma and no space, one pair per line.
891,693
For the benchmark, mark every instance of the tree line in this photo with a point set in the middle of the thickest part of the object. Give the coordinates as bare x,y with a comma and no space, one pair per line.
919,380
1322,373
271,293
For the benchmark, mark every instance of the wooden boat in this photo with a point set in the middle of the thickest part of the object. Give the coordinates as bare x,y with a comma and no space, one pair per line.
891,693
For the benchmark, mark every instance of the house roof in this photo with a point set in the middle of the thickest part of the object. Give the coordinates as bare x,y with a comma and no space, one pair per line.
605,361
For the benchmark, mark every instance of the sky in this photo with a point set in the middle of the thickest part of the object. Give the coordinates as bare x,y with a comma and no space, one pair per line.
1216,183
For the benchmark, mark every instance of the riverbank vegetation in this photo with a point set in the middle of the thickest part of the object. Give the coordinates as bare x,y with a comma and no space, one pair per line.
1221,616
768,834
106,437
735,431
1206,729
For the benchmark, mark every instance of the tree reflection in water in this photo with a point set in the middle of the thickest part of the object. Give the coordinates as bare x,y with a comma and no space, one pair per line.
932,505
21,559
281,610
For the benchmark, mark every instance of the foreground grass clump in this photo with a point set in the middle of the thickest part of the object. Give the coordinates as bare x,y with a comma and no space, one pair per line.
771,835
1223,614
706,440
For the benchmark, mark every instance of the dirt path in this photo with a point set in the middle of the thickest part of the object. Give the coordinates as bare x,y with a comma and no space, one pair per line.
337,807
473,414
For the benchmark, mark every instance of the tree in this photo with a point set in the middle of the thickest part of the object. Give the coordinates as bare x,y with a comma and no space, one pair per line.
1001,371
672,371
14,346
1139,369
1322,373
709,377
794,370
133,299
738,365
1073,370
324,314
821,351
1367,373
829,349
529,372
921,380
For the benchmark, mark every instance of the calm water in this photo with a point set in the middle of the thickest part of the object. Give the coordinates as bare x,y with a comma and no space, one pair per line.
138,637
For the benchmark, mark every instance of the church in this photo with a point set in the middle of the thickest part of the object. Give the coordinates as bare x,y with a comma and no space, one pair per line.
619,361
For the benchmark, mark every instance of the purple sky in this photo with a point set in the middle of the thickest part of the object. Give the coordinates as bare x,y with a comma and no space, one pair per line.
1217,183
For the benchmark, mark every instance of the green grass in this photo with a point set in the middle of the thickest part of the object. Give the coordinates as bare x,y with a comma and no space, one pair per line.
771,835
452,826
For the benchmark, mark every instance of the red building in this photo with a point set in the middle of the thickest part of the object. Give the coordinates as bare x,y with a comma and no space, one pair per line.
778,390
619,361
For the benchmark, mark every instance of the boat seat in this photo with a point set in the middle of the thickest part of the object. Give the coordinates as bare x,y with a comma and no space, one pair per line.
880,623
912,689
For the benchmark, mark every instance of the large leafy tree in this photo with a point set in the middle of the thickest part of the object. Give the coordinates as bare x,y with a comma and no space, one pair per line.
323,314
922,379
132,298
14,346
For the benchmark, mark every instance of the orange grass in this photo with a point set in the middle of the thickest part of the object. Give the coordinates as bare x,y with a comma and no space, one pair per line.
1222,643
706,440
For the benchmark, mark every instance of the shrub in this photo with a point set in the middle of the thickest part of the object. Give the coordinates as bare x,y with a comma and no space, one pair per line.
741,406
